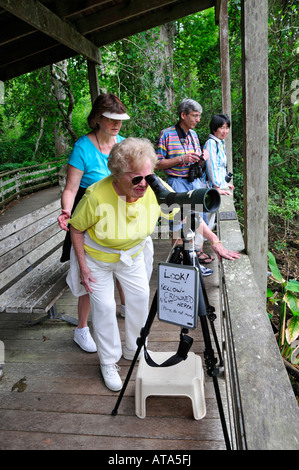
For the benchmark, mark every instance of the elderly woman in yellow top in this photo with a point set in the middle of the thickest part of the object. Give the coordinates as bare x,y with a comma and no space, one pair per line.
109,231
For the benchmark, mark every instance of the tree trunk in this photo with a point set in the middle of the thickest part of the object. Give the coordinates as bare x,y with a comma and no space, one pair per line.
41,131
163,78
167,33
62,91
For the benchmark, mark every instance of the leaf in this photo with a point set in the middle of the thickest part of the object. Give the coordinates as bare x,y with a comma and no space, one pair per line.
292,331
20,386
292,286
269,292
293,302
274,268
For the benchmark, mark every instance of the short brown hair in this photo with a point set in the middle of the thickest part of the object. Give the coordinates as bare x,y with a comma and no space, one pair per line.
104,102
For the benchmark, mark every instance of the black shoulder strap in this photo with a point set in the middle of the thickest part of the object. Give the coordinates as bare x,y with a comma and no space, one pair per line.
215,140
180,132
181,354
182,135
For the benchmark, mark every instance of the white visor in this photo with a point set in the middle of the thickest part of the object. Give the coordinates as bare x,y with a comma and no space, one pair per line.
116,116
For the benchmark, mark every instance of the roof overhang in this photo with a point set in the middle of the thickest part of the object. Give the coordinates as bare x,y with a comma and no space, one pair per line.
34,33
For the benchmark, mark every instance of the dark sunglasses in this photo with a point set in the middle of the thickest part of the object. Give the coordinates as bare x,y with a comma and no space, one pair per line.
137,179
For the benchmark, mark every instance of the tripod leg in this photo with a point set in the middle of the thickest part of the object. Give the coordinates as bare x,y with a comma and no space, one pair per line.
212,318
210,358
212,371
140,343
204,310
210,313
221,413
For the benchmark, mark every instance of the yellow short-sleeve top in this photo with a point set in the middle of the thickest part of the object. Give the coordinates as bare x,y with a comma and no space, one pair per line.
112,222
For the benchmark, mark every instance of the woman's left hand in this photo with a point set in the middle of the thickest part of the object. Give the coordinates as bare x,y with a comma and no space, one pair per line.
224,192
63,219
205,154
222,252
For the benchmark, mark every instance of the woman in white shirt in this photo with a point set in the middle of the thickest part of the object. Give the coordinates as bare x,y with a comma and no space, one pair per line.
216,164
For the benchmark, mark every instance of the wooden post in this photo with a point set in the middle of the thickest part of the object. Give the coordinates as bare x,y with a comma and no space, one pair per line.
225,75
93,80
255,134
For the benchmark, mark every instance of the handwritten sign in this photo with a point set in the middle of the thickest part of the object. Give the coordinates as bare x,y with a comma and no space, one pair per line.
178,294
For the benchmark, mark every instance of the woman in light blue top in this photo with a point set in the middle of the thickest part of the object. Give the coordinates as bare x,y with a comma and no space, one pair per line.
88,164
216,164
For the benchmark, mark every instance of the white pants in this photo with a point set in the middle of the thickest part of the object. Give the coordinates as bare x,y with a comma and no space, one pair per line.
134,281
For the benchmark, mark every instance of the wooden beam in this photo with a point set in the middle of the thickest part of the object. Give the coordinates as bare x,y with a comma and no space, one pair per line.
41,18
11,31
32,62
217,11
255,135
116,14
139,24
68,9
93,80
31,45
225,76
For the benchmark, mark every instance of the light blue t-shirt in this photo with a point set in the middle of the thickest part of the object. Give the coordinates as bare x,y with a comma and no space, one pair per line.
216,164
87,158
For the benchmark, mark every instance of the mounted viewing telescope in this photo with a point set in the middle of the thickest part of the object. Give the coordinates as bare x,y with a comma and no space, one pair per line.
209,198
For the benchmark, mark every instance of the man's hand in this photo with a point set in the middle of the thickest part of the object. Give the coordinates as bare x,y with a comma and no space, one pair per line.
192,157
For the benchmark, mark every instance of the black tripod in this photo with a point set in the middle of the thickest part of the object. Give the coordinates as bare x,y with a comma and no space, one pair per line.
180,255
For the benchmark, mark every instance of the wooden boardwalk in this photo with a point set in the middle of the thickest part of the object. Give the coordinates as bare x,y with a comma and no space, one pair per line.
65,404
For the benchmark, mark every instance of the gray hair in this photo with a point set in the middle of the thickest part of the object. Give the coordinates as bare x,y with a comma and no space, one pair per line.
188,105
131,154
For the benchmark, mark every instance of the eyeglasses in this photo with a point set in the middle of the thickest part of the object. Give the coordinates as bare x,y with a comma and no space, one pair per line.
137,179
195,115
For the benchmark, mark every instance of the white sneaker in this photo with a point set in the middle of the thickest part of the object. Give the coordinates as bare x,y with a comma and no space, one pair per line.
122,311
129,354
84,339
205,271
111,377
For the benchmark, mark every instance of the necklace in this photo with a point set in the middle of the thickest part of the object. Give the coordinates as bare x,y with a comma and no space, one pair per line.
99,142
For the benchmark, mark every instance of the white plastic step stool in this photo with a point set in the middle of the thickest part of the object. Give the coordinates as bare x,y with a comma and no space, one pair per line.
185,378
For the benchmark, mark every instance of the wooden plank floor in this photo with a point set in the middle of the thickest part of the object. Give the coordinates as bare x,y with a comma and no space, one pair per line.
66,405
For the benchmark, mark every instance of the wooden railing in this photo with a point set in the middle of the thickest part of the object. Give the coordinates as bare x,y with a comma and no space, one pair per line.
264,408
16,183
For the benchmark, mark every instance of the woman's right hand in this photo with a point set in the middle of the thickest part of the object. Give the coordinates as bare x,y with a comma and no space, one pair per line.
86,279
63,218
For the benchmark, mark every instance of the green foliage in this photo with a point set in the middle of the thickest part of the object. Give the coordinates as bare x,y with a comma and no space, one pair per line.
286,208
79,118
151,73
130,71
288,299
283,113
26,100
198,62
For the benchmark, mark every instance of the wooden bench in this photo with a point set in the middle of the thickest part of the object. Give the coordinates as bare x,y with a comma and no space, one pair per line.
32,278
